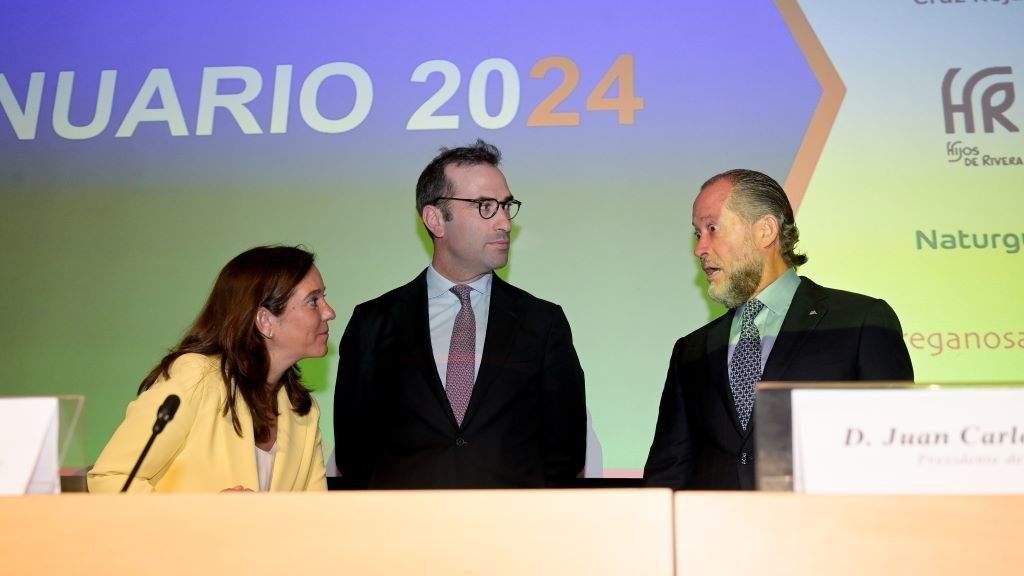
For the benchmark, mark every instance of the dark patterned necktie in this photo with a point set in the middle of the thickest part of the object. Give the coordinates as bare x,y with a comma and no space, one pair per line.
461,355
745,366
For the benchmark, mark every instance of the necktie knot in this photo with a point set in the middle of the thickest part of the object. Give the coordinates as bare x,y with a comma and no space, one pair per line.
462,291
751,310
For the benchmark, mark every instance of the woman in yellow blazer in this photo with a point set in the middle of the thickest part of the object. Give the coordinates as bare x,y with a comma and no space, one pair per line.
246,422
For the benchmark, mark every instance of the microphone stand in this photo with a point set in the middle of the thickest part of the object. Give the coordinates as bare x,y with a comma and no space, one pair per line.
163,416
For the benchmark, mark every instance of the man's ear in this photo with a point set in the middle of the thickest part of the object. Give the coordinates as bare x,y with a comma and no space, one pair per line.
766,231
265,322
433,219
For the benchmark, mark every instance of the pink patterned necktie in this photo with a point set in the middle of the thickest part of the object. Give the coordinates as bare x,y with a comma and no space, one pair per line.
461,355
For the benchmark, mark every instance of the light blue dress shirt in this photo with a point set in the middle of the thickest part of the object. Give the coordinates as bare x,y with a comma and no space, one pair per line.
776,298
442,307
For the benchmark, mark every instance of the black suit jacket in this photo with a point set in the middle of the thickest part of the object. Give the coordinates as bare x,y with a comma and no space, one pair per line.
827,334
525,425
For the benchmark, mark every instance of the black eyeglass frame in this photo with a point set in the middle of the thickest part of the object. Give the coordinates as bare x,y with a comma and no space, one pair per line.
507,205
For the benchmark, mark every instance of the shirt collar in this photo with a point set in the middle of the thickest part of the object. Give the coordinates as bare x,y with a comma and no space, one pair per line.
438,285
779,294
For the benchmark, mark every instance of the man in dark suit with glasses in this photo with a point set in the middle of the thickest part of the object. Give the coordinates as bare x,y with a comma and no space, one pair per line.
458,379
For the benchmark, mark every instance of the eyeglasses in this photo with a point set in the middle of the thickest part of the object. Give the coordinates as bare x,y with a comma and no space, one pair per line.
489,206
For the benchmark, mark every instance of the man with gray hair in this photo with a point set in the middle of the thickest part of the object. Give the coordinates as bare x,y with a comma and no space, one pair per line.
779,326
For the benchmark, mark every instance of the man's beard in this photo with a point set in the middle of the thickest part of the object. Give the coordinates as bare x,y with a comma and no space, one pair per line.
739,285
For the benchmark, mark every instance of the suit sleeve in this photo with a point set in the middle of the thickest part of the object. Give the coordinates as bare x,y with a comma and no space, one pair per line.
352,402
882,353
670,460
118,457
564,405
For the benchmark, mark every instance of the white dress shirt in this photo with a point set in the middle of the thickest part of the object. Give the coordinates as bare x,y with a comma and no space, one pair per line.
265,466
442,307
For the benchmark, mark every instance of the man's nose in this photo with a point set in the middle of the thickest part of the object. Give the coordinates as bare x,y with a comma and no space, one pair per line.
700,249
501,220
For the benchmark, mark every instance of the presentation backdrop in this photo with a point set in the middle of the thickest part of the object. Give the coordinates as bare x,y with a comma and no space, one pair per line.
143,146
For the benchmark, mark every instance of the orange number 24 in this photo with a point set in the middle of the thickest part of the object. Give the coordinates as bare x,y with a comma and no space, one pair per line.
625,102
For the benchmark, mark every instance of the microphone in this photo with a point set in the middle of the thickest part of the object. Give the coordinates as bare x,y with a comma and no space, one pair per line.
164,415
166,412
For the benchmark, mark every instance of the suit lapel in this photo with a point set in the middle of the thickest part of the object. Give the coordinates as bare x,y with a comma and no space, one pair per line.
809,306
422,349
244,461
502,322
285,460
718,363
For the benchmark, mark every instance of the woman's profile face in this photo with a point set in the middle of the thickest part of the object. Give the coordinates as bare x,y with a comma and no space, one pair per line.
300,331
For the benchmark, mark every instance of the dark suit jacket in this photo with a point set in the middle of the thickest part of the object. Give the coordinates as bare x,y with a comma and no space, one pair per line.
827,335
394,427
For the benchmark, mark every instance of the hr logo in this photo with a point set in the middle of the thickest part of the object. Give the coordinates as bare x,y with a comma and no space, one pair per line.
992,109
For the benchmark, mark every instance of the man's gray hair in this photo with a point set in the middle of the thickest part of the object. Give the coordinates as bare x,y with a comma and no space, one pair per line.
755,195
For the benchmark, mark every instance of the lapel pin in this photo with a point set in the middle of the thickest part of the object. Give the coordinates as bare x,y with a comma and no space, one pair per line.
812,313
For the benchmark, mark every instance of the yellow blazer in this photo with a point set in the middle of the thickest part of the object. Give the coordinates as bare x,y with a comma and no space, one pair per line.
199,450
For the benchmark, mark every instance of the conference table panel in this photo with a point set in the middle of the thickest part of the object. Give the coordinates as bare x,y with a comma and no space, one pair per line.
417,532
805,535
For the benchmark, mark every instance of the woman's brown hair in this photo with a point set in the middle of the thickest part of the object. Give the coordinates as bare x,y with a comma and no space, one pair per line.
264,276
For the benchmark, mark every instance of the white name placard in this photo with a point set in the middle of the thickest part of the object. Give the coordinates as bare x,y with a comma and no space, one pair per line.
924,441
28,454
